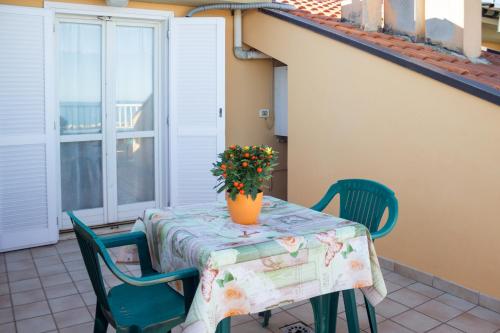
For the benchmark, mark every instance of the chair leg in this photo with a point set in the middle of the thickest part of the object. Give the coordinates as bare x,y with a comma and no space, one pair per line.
224,326
351,310
266,315
325,312
100,322
372,318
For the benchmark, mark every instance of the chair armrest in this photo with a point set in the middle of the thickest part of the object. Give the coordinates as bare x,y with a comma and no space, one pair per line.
137,238
327,198
391,220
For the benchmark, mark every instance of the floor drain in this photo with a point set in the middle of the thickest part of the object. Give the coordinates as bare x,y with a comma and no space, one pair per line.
298,327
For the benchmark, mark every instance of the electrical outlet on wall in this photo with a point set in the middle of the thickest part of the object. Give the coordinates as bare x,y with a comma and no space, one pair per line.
264,113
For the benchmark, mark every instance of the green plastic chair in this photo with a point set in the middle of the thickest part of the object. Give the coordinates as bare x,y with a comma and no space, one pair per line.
140,304
363,201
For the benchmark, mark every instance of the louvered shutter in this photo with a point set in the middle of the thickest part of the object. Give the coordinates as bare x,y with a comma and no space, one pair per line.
196,111
27,182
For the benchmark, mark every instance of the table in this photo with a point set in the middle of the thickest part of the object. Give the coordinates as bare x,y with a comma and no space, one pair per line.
294,254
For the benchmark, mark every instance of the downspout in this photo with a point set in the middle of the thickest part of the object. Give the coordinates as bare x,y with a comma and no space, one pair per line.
239,51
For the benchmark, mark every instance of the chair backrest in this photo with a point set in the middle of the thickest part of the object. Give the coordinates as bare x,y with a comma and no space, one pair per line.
361,200
91,247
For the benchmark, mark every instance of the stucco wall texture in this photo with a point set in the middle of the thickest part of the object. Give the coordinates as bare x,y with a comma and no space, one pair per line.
352,114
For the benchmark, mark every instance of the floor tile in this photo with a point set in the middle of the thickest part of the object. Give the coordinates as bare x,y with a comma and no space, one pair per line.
17,256
72,317
84,286
31,310
6,315
29,296
408,297
472,324
279,320
444,329
389,326
438,310
455,302
83,328
75,265
48,261
5,301
66,303
8,328
486,314
36,325
4,288
415,321
23,275
20,265
71,256
425,290
237,320
303,312
388,308
363,317
43,251
399,279
51,269
89,298
54,280
392,287
25,285
61,290
250,327
79,275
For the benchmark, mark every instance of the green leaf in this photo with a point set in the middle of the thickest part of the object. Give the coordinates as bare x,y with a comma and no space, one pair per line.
294,254
228,277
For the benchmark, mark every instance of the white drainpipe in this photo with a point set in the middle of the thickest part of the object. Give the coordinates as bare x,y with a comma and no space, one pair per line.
239,51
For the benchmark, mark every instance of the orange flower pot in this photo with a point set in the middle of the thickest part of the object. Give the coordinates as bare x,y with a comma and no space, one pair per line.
245,210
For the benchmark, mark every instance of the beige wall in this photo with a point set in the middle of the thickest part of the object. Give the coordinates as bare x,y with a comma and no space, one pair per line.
248,87
352,114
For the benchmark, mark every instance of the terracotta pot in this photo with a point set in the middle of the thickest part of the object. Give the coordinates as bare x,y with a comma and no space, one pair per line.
245,210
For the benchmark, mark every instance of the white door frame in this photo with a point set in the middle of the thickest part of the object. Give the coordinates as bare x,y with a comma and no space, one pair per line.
70,10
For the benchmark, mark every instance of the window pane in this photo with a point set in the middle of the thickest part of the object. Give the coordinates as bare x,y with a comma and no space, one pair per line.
134,79
81,175
136,171
80,78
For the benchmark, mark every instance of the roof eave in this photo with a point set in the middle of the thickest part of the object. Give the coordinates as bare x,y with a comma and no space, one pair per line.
469,86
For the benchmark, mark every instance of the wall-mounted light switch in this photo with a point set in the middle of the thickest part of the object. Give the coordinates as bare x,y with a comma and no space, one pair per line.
264,113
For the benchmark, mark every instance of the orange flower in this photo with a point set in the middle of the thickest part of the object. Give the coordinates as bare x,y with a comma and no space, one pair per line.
232,293
244,164
232,147
247,155
224,175
356,265
259,170
242,191
223,167
235,184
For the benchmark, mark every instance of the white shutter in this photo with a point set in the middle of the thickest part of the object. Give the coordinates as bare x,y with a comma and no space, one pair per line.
196,112
27,182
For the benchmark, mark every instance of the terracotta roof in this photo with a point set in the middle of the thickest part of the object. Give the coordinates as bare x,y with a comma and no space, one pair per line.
327,13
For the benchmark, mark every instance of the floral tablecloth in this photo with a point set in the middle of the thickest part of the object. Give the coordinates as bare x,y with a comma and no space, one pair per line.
293,254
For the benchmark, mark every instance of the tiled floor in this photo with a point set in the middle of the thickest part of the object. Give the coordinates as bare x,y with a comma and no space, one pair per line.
47,289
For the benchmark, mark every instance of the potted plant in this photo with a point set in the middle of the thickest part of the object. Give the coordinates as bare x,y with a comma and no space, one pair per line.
242,173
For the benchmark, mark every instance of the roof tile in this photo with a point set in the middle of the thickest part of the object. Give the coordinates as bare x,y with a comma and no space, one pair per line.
328,13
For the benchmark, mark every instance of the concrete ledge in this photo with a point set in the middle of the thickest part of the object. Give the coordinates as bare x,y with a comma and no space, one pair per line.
472,296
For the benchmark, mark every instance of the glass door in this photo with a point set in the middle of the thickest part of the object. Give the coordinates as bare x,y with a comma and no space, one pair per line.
134,118
81,95
108,105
